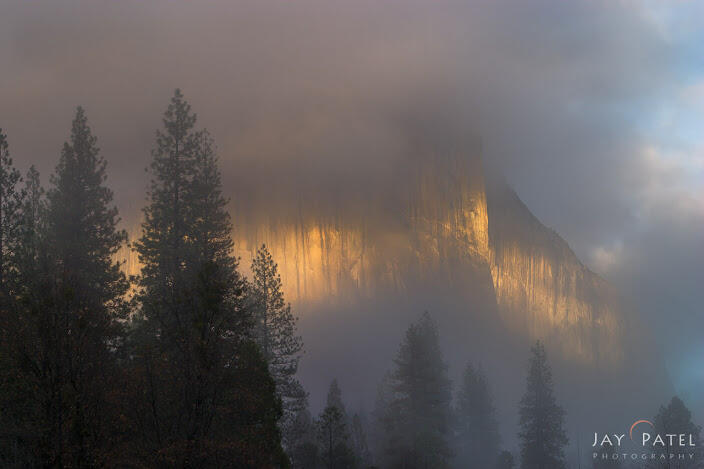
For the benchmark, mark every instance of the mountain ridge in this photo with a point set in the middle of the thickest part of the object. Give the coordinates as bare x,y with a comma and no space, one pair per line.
454,233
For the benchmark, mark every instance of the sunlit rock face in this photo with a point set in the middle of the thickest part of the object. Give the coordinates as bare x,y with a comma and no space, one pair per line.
543,289
449,233
437,233
444,234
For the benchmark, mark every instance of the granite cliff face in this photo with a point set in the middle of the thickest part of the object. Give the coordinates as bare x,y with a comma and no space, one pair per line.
440,235
446,232
454,232
545,291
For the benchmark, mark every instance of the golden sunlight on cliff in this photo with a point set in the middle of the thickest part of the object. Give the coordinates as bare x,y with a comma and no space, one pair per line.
441,229
448,233
545,292
546,301
315,260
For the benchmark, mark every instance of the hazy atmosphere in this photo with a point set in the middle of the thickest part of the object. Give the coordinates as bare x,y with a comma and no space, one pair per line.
591,111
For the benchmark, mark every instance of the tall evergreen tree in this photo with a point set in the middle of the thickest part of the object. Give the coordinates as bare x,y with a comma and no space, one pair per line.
10,209
358,438
275,331
303,447
32,227
335,399
82,220
87,295
194,355
333,432
478,432
542,432
417,416
21,413
163,246
13,386
676,418
66,323
384,415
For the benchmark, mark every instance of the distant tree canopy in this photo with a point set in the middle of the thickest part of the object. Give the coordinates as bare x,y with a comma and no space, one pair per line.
275,333
675,418
303,447
415,414
477,430
11,201
542,432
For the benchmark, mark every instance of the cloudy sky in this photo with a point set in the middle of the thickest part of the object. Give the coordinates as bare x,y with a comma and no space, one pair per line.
593,110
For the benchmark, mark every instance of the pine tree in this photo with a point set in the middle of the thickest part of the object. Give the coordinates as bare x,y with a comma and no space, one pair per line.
331,437
82,238
335,399
15,396
542,432
186,227
33,218
21,415
66,324
245,432
10,204
333,432
384,417
478,433
164,245
275,331
358,438
303,449
82,220
416,417
676,418
192,347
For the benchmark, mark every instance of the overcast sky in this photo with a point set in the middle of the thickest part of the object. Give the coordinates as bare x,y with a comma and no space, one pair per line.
593,110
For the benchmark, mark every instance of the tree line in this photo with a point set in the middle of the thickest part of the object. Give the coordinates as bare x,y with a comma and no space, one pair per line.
190,363
417,424
197,368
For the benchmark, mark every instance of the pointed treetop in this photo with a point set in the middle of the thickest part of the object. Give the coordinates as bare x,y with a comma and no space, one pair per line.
178,118
267,277
3,143
82,139
335,396
427,322
10,175
542,420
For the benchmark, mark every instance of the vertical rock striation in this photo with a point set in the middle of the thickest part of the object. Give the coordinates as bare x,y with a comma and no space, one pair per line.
446,232
438,234
544,291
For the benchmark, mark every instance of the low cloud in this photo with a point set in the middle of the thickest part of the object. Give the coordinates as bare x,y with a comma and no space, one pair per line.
588,108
